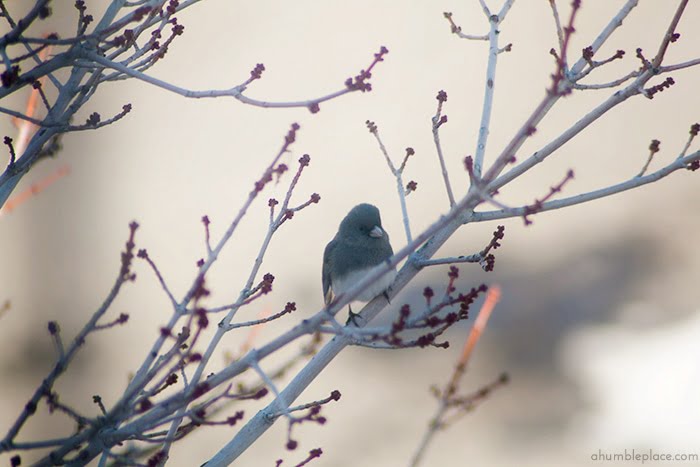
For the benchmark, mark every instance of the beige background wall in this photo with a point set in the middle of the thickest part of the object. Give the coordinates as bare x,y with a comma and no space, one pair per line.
598,325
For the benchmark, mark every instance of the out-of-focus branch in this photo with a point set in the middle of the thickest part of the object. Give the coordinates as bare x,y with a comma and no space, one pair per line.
67,355
447,397
129,38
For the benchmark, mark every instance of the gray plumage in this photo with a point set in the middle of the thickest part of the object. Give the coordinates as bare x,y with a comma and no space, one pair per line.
360,245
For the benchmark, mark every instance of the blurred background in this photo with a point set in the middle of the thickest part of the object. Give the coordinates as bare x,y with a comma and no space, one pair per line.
599,319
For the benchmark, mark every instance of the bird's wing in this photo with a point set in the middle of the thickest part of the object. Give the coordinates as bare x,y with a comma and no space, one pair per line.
326,272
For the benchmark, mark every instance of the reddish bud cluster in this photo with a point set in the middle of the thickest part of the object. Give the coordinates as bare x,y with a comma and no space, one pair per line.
489,260
314,107
694,129
498,234
359,82
411,186
266,284
667,83
469,166
171,9
453,27
441,96
199,390
278,171
178,29
140,12
305,160
454,272
587,54
292,134
654,146
428,294
400,324
156,459
93,119
202,320
371,126
539,203
315,198
259,394
128,255
313,415
122,318
10,76
145,405
640,55
200,290
45,11
171,379
236,418
8,142
488,263
257,72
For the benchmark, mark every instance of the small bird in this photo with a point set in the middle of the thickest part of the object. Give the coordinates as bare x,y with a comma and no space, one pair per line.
360,245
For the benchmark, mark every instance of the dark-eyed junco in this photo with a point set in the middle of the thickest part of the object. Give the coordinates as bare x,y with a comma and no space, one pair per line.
360,245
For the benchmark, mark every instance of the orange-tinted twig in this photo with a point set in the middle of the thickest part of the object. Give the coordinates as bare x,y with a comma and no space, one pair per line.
448,402
34,189
25,129
492,297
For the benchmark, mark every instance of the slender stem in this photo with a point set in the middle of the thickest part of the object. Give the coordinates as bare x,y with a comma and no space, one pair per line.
438,147
235,92
592,195
488,96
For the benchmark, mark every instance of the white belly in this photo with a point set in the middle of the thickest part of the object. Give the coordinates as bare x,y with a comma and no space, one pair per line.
344,283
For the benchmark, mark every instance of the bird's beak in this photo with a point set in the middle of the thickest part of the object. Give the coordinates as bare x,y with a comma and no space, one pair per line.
376,232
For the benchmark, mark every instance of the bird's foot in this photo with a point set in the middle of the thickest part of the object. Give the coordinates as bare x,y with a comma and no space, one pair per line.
352,318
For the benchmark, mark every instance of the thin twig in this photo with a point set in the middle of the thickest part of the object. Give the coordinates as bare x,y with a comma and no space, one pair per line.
635,182
438,120
447,395
398,174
